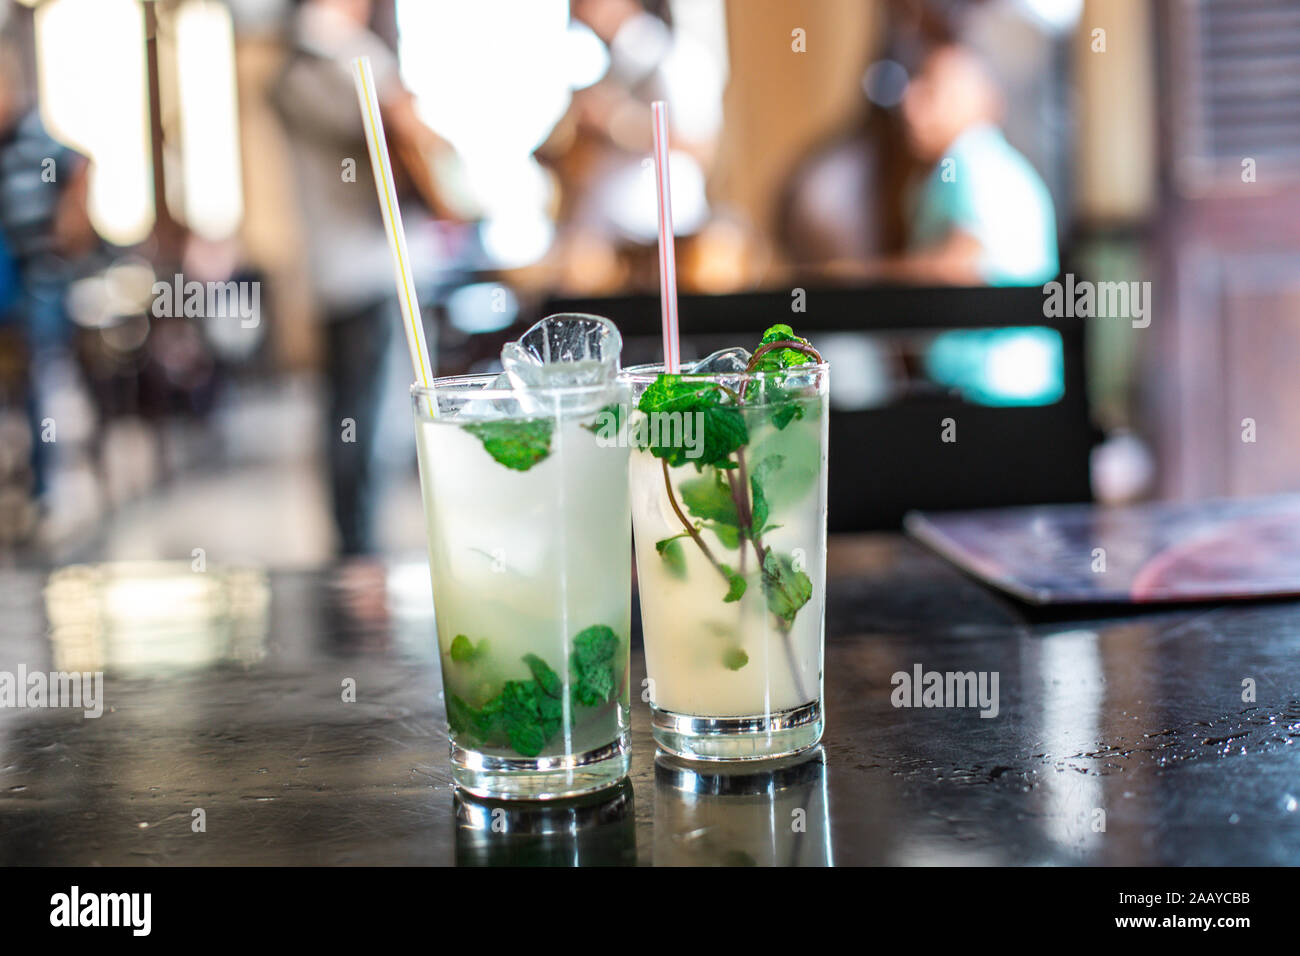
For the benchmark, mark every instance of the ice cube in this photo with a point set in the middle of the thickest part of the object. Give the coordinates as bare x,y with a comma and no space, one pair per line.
723,362
564,350
499,407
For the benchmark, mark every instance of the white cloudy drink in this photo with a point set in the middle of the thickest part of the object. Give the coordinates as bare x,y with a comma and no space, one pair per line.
697,638
529,556
731,565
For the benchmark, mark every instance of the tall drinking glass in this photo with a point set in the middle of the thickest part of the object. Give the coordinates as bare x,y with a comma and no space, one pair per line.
731,557
529,554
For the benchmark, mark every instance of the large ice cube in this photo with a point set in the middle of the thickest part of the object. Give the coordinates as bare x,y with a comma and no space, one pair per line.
560,351
723,362
564,350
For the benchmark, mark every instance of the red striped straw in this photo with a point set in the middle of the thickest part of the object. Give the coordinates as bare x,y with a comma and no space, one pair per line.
667,257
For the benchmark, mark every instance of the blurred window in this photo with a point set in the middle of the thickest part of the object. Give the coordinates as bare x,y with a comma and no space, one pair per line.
209,123
93,93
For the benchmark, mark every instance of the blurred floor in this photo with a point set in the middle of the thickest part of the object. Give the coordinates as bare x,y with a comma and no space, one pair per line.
275,515
249,487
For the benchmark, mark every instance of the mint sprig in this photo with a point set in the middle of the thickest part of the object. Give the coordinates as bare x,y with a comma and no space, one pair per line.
776,359
669,393
726,498
723,427
786,588
773,356
527,713
517,445
595,652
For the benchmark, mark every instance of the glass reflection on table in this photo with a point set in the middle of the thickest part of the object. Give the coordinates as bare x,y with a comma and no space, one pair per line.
596,830
773,813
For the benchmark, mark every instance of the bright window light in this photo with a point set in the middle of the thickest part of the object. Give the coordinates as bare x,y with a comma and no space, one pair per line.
209,123
93,91
496,102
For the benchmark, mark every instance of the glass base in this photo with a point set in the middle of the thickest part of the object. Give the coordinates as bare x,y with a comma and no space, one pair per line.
540,778
762,737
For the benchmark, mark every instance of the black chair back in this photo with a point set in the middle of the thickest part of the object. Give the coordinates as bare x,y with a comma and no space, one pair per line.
885,461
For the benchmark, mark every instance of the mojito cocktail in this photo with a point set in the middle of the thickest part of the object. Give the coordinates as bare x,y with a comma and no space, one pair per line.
729,515
529,554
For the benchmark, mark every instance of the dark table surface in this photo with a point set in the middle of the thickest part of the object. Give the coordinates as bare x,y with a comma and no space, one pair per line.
225,739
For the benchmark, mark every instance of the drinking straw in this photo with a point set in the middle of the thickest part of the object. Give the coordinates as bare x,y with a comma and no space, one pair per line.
382,165
667,257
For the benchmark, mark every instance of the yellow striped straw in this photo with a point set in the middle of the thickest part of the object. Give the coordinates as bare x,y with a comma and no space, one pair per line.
382,165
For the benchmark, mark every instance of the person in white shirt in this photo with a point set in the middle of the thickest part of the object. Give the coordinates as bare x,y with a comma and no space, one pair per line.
349,263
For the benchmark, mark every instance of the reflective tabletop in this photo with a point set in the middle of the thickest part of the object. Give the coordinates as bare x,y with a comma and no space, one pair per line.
253,717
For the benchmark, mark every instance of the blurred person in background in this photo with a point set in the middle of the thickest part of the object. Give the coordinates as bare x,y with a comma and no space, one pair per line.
350,266
609,126
982,215
46,228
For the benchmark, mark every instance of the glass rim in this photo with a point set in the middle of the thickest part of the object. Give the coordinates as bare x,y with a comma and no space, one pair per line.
466,387
646,374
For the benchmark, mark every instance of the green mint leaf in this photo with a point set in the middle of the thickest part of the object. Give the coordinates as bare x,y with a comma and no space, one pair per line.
778,359
547,679
716,433
786,589
779,333
484,724
728,536
460,715
523,717
668,393
733,659
462,651
724,432
784,413
760,507
708,498
735,584
670,549
526,713
517,445
593,665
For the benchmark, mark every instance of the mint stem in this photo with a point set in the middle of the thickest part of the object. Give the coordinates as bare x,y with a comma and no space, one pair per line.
740,494
686,523
745,510
803,347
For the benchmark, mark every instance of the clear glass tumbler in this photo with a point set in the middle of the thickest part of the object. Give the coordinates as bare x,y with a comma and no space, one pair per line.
731,558
529,553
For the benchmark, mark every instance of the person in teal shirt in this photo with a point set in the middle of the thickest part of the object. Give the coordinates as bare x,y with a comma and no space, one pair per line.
983,211
982,215
996,199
